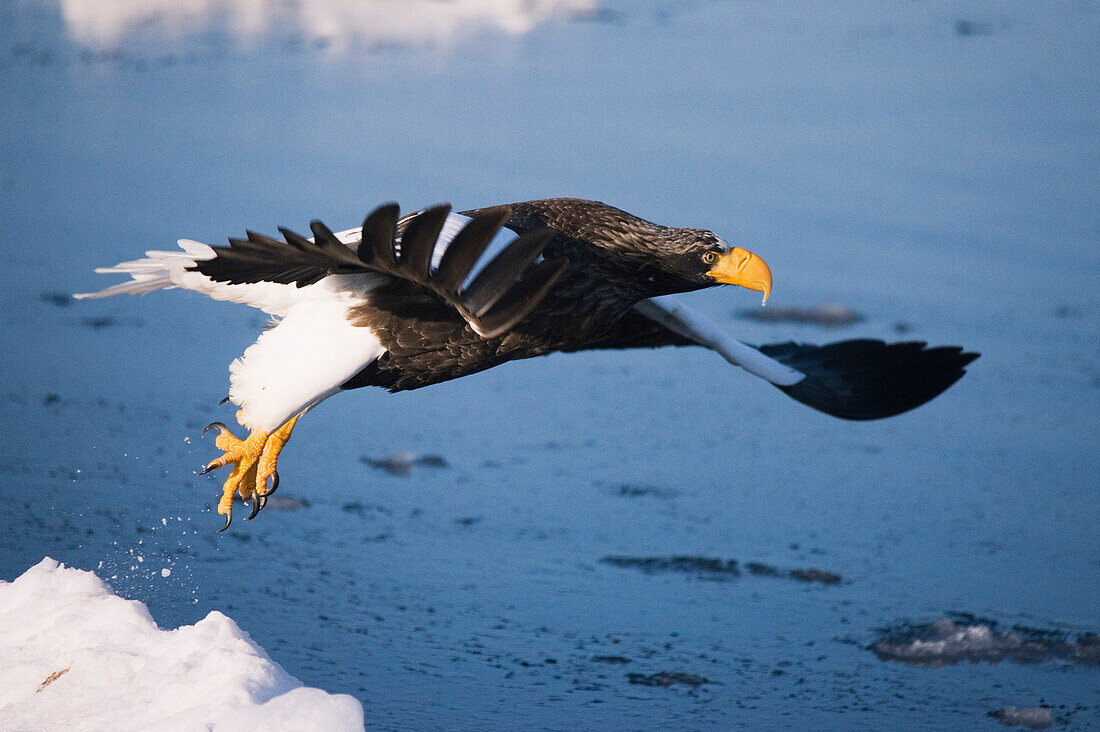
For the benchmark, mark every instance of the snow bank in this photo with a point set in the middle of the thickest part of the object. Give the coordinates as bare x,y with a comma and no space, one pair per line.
75,655
343,23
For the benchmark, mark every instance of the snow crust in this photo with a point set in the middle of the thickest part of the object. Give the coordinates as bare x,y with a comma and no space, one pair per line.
77,656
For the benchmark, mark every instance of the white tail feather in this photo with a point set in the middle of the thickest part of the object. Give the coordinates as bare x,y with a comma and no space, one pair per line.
157,271
163,270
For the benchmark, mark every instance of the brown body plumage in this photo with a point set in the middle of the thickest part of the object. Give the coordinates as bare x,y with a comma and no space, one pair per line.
610,254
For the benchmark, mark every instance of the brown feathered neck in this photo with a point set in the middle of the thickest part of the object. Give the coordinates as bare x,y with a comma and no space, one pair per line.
611,228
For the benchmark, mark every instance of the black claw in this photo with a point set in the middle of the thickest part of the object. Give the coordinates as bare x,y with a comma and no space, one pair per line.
263,501
206,469
228,520
219,426
223,401
256,506
274,484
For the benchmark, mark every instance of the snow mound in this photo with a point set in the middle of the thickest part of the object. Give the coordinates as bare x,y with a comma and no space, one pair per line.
75,655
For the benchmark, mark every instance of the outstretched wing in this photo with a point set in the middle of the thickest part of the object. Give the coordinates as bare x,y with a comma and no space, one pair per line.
869,379
499,295
856,379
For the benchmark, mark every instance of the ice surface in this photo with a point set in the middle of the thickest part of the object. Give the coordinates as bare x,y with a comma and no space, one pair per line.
77,656
934,164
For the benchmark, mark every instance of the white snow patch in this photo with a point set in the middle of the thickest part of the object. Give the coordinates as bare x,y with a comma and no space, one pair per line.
77,656
344,24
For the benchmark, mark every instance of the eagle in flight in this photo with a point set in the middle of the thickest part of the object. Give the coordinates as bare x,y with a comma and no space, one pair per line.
408,301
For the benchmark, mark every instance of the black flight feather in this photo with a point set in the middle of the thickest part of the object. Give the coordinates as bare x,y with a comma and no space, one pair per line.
468,246
869,379
503,293
492,282
521,299
379,232
856,379
418,241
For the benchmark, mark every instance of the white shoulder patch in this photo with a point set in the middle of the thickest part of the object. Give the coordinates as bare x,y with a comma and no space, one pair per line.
683,320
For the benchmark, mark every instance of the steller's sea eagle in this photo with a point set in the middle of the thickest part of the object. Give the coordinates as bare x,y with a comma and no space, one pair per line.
404,302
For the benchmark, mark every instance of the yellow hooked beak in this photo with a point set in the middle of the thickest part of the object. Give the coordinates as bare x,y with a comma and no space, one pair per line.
741,267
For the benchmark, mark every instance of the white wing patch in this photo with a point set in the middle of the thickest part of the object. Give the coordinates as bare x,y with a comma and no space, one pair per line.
683,320
299,363
295,365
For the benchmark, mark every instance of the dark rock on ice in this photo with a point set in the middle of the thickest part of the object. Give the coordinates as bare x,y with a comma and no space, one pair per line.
616,660
665,679
815,575
285,502
760,569
630,490
701,567
402,463
966,638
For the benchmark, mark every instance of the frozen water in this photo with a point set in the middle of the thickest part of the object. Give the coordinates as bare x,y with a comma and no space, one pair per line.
932,166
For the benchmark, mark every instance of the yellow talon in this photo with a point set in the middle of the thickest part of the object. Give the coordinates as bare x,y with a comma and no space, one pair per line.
254,460
265,468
